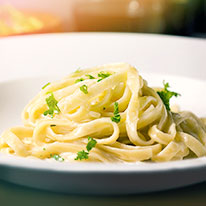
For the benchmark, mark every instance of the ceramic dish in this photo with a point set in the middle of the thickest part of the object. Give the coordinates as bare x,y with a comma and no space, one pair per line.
28,62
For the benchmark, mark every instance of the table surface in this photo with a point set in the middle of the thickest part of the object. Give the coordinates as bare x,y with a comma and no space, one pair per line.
11,194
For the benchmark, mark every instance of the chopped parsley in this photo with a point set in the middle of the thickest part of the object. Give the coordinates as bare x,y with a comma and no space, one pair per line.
85,155
92,143
104,108
166,95
103,75
46,85
53,125
79,80
82,155
52,104
90,76
44,148
116,118
83,88
57,157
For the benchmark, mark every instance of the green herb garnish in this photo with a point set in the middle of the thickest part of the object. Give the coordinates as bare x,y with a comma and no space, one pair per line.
103,75
90,76
79,80
166,95
92,143
53,125
116,118
83,88
82,155
57,157
52,104
44,148
46,85
85,155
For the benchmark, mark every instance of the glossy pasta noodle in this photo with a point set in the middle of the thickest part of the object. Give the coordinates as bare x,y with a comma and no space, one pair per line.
85,103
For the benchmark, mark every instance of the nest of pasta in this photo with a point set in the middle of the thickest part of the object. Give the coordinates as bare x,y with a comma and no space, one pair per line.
108,114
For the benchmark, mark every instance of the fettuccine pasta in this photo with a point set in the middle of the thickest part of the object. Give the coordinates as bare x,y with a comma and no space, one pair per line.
113,106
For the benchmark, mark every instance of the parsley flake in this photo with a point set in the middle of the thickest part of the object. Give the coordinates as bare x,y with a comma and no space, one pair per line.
90,76
52,104
85,155
57,157
103,75
82,155
46,85
116,118
83,88
92,143
166,95
79,80
53,125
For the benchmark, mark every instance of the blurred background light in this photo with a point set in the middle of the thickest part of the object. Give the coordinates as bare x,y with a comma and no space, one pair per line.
179,17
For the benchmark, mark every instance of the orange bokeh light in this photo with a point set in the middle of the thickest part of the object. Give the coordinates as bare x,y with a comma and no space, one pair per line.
14,22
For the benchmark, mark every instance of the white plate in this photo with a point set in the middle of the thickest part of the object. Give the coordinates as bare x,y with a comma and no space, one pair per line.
29,62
